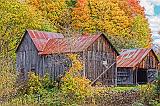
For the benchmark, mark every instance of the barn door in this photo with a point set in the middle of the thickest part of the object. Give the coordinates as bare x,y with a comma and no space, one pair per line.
151,75
107,68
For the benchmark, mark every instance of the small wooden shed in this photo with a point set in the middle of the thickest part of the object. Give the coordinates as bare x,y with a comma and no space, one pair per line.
44,52
136,66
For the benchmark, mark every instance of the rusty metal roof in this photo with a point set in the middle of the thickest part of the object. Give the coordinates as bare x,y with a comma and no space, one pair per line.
40,38
48,42
131,57
67,45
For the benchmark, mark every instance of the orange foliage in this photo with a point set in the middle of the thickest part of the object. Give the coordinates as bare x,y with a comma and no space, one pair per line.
135,7
81,3
81,15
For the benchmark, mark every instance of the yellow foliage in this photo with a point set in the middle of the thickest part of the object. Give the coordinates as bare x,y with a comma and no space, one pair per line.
147,92
7,80
76,64
74,85
33,84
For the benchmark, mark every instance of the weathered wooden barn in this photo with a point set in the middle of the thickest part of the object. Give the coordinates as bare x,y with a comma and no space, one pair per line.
44,52
136,66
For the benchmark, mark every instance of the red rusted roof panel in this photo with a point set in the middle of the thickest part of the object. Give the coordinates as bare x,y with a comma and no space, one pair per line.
131,57
41,38
68,45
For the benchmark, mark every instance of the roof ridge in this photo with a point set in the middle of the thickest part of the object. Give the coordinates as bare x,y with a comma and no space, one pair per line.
73,43
42,31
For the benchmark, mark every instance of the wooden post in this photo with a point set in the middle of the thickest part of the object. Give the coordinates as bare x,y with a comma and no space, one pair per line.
84,74
147,76
116,76
136,75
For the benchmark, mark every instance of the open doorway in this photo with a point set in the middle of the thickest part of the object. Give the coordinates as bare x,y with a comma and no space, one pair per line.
142,76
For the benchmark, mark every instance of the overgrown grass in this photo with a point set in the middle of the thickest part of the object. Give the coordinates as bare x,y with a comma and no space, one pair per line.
75,90
121,89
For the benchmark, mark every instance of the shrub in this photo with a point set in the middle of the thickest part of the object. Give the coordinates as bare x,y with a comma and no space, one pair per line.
75,87
146,93
111,97
7,80
157,87
47,82
33,84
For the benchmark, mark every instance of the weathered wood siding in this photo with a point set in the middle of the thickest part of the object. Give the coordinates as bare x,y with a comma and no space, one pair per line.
129,75
27,57
149,62
98,52
124,76
56,65
93,57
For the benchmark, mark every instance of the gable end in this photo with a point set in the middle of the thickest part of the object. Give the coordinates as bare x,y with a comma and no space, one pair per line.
26,37
110,44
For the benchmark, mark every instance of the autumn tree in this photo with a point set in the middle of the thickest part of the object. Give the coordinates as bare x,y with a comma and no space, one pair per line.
141,32
15,18
122,20
135,7
140,27
117,18
81,19
111,19
56,12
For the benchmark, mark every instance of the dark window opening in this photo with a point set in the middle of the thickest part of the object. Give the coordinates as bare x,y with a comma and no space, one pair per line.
142,76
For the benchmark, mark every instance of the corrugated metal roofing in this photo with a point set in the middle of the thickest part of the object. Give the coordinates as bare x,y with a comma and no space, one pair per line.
40,38
66,45
48,42
131,57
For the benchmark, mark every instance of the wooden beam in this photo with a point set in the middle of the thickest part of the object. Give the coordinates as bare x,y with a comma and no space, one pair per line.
84,74
116,76
102,73
136,75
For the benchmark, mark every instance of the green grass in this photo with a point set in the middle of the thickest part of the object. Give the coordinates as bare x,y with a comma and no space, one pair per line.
127,88
121,89
117,89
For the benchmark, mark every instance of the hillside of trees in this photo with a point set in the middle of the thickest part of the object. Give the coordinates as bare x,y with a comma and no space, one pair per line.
123,21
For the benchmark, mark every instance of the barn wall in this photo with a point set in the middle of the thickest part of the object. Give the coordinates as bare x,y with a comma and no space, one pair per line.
127,76
27,57
93,57
98,52
124,76
56,65
151,74
149,62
